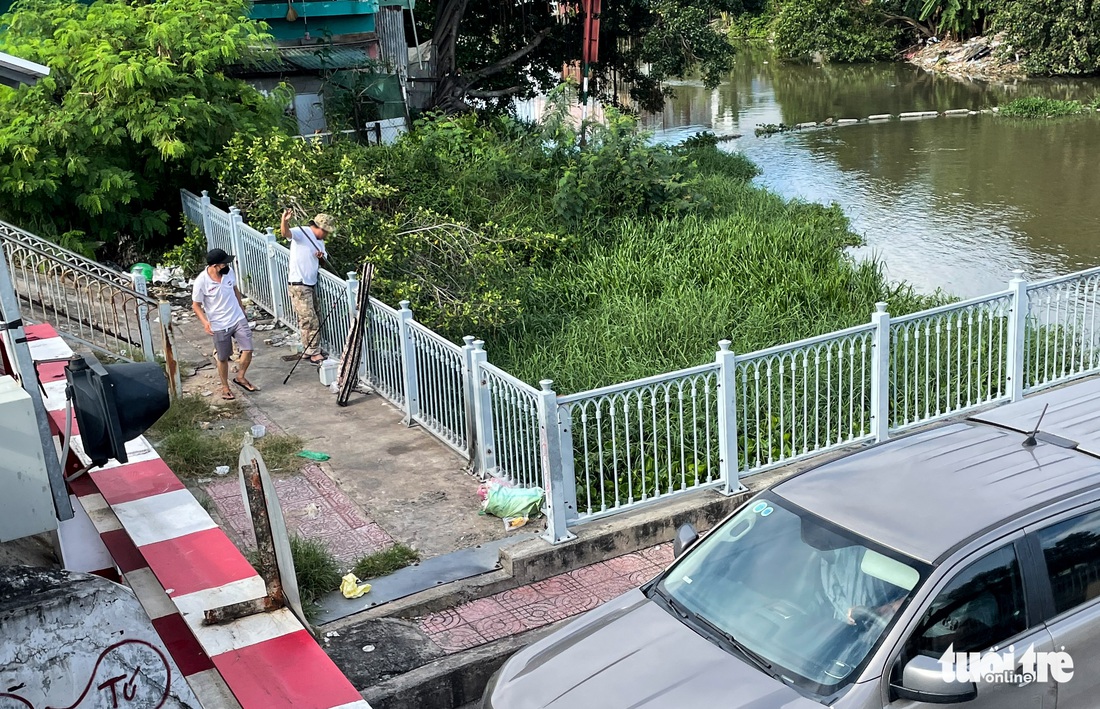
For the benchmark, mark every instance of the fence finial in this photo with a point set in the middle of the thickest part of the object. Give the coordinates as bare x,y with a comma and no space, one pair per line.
546,384
404,305
479,344
880,306
469,340
724,345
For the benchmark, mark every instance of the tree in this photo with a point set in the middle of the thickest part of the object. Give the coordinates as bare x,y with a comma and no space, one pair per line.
136,105
496,51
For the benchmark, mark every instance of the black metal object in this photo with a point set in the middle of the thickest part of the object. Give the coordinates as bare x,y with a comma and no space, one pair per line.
114,404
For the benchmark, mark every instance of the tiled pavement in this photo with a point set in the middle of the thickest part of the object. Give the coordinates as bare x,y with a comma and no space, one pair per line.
313,507
544,602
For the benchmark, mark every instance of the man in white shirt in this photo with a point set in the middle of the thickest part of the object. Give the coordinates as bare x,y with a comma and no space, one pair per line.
218,305
307,248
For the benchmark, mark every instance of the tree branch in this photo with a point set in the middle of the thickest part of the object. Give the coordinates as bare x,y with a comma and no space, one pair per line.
498,93
911,22
509,60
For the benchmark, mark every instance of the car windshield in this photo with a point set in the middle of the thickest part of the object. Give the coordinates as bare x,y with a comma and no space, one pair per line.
807,597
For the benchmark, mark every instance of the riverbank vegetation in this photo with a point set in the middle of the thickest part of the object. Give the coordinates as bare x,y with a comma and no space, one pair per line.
1038,107
853,30
585,263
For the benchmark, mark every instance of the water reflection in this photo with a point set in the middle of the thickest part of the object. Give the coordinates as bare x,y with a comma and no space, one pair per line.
954,203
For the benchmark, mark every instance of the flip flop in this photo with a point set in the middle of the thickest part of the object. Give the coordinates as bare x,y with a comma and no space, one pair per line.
228,395
316,360
245,387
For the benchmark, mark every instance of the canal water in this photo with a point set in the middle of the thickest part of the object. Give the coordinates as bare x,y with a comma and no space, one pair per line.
955,203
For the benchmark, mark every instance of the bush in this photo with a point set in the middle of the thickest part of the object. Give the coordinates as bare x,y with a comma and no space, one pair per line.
1036,107
1058,36
838,30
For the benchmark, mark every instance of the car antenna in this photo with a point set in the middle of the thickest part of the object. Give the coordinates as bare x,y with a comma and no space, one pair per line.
1030,440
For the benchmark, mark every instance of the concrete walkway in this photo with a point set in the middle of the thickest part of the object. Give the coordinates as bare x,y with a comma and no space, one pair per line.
384,480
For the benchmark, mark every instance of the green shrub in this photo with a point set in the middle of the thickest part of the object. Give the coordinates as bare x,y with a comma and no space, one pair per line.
1056,36
837,30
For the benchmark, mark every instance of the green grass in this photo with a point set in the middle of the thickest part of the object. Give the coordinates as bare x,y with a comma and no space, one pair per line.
662,292
385,562
315,568
193,453
1036,107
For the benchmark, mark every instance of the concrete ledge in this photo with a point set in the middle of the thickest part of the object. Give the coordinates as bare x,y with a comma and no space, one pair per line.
453,680
534,560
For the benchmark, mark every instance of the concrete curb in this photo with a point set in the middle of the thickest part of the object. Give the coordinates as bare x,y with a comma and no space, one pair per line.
453,680
534,560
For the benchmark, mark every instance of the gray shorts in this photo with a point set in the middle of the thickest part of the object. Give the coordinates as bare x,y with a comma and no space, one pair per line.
223,340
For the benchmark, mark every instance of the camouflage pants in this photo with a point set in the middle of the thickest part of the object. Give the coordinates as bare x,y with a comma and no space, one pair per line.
305,309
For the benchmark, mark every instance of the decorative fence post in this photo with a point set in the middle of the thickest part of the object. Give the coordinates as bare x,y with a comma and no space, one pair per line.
561,493
206,217
408,363
469,382
235,222
143,318
485,458
1017,335
278,285
728,466
880,373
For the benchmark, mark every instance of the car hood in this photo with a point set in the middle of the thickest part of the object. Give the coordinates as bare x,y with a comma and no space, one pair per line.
633,653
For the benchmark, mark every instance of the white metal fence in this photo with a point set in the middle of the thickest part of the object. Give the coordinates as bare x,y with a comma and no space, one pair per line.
614,448
90,305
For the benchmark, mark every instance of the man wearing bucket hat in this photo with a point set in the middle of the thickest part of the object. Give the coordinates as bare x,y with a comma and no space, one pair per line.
307,248
217,304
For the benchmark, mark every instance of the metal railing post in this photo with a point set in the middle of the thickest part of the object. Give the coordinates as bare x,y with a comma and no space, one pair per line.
1017,335
560,504
408,363
469,383
485,458
206,217
728,465
168,338
143,318
235,222
278,285
880,373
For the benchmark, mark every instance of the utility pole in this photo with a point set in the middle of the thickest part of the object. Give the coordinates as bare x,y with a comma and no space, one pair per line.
589,52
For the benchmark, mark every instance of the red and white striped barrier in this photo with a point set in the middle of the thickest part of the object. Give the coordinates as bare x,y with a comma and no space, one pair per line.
180,564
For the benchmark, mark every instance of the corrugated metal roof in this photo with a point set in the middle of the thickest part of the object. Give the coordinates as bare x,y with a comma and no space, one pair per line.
317,58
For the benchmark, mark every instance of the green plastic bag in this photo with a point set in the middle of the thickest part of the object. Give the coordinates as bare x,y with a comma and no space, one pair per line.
314,455
513,501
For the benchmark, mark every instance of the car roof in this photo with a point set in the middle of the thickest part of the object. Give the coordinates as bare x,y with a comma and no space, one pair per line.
924,494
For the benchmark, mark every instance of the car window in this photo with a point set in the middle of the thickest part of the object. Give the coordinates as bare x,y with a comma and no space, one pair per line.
811,598
982,606
1072,553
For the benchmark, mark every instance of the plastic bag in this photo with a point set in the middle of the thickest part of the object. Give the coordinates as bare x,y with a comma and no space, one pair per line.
513,501
483,488
511,523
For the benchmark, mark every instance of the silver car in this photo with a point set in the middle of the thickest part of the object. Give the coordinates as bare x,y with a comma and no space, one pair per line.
858,584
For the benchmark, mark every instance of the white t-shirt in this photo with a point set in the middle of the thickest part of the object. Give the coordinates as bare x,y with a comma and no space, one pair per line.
218,299
303,255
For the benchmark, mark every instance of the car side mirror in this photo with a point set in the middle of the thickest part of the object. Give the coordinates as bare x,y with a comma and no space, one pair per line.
685,537
922,680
